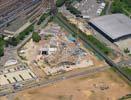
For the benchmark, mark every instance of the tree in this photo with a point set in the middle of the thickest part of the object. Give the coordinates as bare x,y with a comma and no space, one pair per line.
13,41
36,37
126,50
60,3
1,46
121,6
43,17
1,51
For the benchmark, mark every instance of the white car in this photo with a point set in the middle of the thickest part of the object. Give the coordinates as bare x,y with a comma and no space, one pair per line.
102,6
86,17
99,11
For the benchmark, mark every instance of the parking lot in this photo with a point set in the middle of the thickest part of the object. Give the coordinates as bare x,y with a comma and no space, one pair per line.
88,7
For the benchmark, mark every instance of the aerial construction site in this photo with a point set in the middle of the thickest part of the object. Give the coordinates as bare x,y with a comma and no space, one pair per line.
58,51
51,50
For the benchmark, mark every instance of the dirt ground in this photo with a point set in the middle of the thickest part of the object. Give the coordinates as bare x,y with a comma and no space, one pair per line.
3,98
102,86
125,44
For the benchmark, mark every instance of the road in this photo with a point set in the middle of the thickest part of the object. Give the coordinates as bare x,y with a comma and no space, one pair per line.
44,83
109,7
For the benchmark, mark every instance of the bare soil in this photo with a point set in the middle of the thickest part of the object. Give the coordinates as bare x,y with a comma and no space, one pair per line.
106,85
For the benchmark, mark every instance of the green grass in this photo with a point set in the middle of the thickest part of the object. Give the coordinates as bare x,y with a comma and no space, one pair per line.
2,44
121,6
127,97
127,70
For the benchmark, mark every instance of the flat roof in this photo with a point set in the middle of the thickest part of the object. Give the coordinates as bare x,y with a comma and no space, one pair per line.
115,25
16,76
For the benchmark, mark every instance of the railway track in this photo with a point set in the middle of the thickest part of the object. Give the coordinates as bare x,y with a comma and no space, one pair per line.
23,10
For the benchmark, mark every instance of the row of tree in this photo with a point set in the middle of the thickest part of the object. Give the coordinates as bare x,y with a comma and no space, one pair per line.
60,3
2,43
43,17
15,40
121,6
68,4
36,37
73,10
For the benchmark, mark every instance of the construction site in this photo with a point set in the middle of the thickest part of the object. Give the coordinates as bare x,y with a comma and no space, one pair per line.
58,52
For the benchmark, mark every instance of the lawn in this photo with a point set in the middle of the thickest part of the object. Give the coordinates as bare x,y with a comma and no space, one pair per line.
121,6
127,70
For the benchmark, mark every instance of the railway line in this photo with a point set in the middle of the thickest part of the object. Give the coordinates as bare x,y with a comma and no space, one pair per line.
24,10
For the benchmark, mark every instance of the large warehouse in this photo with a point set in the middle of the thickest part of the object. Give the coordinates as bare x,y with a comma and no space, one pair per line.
114,27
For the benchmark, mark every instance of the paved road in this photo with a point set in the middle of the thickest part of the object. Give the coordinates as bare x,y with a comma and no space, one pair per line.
56,79
109,7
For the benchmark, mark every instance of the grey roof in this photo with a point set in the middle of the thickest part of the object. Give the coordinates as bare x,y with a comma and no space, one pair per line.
115,25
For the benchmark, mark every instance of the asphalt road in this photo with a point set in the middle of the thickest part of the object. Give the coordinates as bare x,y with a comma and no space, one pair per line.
109,7
54,80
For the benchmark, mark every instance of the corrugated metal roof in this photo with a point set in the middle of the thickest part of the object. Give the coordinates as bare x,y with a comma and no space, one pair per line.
115,25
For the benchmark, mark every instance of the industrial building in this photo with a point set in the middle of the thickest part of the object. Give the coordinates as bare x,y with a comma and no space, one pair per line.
12,76
114,27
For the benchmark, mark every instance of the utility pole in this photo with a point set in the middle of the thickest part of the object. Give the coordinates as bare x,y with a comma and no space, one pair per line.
53,7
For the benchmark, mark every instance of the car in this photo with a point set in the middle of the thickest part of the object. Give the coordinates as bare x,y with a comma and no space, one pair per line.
102,6
99,11
86,17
